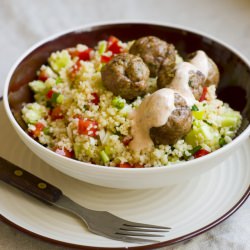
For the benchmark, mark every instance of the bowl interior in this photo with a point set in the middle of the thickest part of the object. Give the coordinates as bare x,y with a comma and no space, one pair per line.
234,87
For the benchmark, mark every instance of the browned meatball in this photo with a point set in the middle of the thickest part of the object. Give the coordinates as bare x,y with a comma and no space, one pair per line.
126,75
178,125
167,73
153,51
213,76
196,83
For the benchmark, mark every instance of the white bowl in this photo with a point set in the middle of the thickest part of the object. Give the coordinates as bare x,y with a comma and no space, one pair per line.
25,67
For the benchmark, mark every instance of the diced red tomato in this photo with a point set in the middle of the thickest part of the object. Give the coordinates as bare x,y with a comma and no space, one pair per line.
73,52
128,165
203,95
105,59
115,48
42,76
113,45
56,113
126,140
49,94
77,116
75,68
125,165
95,99
201,153
85,55
87,127
112,39
64,152
39,127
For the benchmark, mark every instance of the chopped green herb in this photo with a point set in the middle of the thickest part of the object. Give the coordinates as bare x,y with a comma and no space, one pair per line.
59,80
57,98
117,132
190,83
46,130
195,149
185,157
194,108
54,97
208,123
222,141
48,104
104,156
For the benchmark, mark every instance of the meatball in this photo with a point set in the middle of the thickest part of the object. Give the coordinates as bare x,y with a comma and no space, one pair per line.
126,75
213,74
178,125
167,73
196,83
153,51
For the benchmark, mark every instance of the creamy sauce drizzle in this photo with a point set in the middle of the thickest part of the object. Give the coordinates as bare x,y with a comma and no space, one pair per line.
155,109
200,61
181,79
153,112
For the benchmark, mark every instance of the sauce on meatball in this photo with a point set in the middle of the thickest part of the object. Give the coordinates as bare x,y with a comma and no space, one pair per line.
154,111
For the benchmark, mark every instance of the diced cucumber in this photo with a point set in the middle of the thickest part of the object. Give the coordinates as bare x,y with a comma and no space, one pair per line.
59,60
102,47
37,86
77,149
230,119
107,150
202,133
190,138
60,99
118,102
33,112
31,116
198,114
210,134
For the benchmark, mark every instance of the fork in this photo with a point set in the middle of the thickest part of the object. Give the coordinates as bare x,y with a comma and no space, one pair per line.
98,222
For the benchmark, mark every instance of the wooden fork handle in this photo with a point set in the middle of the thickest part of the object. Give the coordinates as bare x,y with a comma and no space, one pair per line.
27,182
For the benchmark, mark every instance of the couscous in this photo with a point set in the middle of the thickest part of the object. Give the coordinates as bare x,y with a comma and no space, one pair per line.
81,112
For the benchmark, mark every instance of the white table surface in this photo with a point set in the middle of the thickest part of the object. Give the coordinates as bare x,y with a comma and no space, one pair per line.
24,22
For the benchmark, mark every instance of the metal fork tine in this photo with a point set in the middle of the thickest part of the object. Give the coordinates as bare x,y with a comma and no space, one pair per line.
135,224
137,234
137,229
